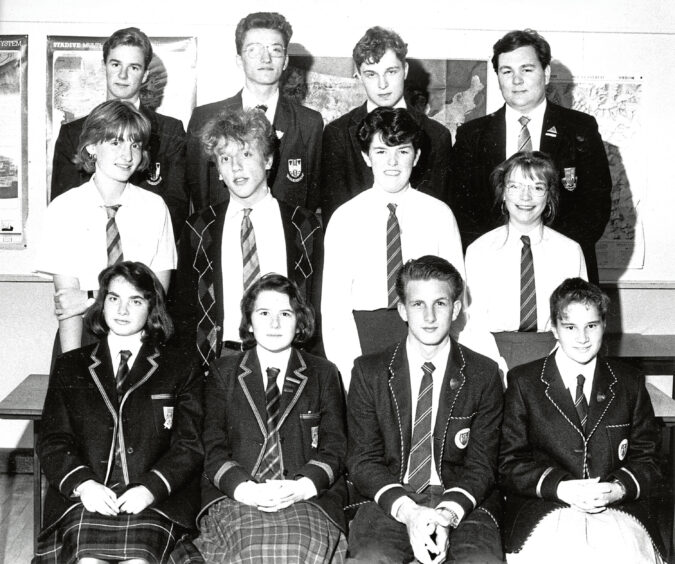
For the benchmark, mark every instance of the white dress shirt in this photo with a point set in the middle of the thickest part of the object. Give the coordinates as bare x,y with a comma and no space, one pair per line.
570,369
119,343
248,101
270,359
271,248
355,259
493,275
73,241
513,127
370,106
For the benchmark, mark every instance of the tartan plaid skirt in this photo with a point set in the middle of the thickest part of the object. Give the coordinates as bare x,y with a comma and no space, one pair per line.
81,533
233,532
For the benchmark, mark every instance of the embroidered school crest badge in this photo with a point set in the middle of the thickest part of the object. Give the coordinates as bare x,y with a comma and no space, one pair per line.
154,174
462,438
623,449
295,173
569,181
168,417
315,437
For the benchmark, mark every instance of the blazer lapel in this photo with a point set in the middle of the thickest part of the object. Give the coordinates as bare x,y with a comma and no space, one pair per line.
551,131
143,368
453,382
101,371
251,382
602,395
558,394
399,386
294,383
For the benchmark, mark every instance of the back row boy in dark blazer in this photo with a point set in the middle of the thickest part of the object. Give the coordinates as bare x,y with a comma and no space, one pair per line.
288,239
447,505
126,56
379,57
571,138
262,53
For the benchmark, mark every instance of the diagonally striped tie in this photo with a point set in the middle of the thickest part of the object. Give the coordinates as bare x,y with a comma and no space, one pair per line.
112,236
270,466
249,251
580,402
122,372
394,255
528,294
524,139
419,473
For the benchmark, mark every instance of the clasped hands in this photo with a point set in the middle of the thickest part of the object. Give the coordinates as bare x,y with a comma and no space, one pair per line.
98,498
428,531
590,495
274,495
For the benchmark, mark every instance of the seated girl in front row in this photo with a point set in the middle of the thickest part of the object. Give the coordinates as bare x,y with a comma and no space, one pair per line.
121,444
274,440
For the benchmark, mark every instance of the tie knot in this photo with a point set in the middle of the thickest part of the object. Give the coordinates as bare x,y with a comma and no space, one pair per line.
526,240
580,380
524,120
125,355
247,212
428,368
392,208
272,373
112,210
261,107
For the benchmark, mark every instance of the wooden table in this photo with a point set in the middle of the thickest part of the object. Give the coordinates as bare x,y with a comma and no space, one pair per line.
26,402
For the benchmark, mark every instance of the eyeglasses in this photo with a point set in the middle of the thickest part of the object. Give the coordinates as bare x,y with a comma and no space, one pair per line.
255,50
537,190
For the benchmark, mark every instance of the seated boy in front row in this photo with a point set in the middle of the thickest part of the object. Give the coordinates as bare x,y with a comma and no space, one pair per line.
423,420
578,447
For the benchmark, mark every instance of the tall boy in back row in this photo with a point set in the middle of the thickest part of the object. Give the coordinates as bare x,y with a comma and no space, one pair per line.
380,60
529,122
262,40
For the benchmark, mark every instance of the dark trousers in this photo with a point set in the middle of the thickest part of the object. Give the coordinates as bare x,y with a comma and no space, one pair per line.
376,537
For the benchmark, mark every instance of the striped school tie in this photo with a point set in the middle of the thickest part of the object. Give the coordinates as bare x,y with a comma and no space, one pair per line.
580,402
528,294
270,467
122,372
420,454
524,138
394,255
249,251
112,235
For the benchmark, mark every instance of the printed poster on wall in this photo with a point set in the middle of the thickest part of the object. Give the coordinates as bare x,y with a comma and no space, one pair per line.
13,140
76,80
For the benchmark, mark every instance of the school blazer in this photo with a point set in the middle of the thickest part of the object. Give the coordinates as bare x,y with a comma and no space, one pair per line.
542,442
164,176
344,173
294,177
197,298
571,139
157,422
311,427
465,435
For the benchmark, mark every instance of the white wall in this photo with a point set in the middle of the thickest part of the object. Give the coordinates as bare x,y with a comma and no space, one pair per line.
608,36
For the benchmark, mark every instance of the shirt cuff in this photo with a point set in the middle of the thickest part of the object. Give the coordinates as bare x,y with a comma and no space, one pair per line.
396,506
452,506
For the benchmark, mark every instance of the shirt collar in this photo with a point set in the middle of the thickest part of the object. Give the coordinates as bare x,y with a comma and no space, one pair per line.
439,360
514,235
117,343
387,197
235,206
370,106
536,115
248,101
269,359
569,370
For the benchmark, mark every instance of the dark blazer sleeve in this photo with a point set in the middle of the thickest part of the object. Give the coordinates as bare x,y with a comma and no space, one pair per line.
65,175
314,140
334,178
62,461
196,166
183,304
520,472
173,144
431,175
183,459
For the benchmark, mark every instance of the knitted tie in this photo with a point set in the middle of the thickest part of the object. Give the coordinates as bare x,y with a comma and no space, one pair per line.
524,139
580,402
528,295
249,251
122,371
270,467
420,453
394,255
113,241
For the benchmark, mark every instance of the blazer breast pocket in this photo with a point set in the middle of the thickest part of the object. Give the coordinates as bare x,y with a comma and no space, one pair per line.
310,428
618,437
162,411
457,437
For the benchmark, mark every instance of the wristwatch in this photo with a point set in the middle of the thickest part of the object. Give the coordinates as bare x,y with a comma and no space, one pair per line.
451,515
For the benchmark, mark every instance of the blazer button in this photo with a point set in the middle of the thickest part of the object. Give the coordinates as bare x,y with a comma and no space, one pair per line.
130,450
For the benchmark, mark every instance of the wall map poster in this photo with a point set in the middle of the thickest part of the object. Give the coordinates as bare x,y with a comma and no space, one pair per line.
13,140
76,80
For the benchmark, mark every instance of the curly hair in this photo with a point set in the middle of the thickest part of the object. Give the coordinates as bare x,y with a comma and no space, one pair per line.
372,46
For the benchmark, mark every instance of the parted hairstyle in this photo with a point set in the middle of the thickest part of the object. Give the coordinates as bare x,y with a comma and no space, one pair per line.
372,46
133,37
396,125
429,267
242,126
577,291
277,283
262,20
158,326
110,120
534,165
522,38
